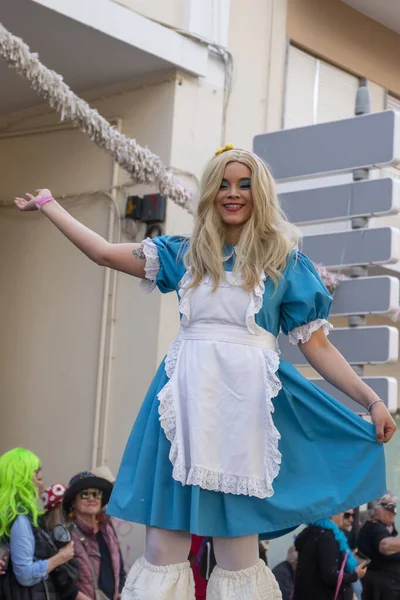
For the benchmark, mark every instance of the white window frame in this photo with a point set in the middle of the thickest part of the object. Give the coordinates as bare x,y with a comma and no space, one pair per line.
315,107
208,18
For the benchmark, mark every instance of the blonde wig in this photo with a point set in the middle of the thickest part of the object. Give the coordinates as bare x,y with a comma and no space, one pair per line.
266,239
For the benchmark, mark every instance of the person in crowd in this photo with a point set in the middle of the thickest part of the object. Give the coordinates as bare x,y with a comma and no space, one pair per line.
241,279
52,499
378,539
206,558
326,567
263,546
284,573
348,527
35,566
350,533
200,582
96,544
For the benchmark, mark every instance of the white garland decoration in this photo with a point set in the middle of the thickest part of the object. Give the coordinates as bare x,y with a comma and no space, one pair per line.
142,165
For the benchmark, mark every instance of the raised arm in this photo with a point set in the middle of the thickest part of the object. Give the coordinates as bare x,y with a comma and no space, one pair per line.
333,367
128,258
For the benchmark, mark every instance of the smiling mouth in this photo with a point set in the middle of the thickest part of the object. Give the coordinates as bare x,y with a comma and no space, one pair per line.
232,206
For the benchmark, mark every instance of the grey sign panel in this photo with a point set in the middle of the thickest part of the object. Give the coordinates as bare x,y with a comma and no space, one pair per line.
336,203
338,146
366,295
359,247
385,387
362,345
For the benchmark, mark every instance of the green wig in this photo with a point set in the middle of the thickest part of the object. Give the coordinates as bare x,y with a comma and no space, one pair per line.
18,493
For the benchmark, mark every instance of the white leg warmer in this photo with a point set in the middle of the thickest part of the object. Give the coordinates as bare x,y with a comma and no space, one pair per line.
254,583
151,582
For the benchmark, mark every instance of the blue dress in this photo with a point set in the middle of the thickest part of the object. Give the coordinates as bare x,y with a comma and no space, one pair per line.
330,458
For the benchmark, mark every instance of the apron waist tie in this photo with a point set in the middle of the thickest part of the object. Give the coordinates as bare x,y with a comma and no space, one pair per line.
232,334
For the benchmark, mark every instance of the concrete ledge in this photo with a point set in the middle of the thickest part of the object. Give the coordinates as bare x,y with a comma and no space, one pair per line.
137,31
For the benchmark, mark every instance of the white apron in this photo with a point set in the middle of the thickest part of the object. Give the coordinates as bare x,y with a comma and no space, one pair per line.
216,409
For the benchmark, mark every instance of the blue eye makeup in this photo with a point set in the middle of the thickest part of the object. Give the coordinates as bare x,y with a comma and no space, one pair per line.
245,184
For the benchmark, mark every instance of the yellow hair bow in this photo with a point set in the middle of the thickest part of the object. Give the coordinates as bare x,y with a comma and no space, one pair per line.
224,149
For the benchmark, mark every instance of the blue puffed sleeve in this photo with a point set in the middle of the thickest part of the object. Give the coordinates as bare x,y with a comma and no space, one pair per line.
306,302
164,262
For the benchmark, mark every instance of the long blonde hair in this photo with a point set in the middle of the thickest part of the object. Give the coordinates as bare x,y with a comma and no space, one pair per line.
266,239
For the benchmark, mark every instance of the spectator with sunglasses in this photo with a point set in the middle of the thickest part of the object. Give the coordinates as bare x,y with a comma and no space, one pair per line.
378,539
101,570
326,568
65,577
34,563
348,528
350,533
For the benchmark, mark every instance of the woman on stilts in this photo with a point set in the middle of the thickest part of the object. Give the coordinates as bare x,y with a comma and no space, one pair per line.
230,441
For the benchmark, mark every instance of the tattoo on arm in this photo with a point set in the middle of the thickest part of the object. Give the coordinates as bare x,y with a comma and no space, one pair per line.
139,253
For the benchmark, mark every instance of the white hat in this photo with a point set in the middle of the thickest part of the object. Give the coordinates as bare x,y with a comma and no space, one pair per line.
104,472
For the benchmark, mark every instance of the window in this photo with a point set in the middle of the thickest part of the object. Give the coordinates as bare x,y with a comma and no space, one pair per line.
336,93
300,88
317,92
392,103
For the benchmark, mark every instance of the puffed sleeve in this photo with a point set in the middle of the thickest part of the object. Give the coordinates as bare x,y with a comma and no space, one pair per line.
306,302
164,262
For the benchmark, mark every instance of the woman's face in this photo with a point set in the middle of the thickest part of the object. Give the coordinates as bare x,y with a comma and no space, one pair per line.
87,503
38,480
234,200
385,516
338,520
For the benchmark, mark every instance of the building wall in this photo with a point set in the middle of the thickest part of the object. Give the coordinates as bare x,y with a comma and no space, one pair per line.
345,37
52,305
166,11
257,41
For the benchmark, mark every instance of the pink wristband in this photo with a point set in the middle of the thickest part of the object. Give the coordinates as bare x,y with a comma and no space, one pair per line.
43,200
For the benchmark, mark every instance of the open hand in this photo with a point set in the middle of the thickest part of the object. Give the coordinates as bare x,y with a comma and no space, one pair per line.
29,203
384,424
